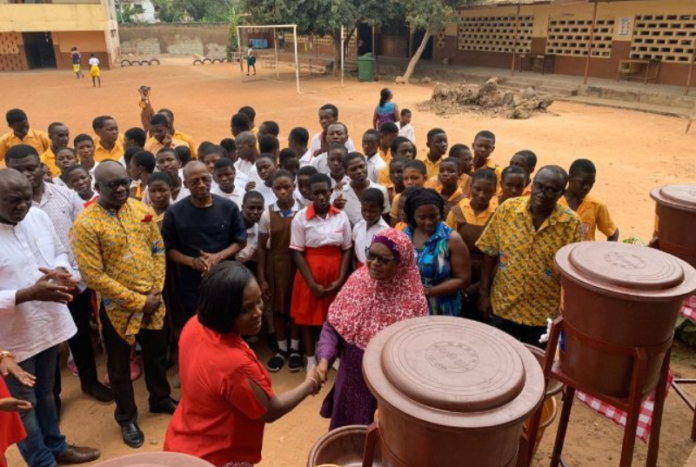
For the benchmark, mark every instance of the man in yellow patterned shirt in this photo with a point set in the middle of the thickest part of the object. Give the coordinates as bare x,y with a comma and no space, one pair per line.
21,134
519,284
120,253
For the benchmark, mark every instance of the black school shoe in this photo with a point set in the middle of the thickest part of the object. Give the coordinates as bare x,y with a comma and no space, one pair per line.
275,364
295,364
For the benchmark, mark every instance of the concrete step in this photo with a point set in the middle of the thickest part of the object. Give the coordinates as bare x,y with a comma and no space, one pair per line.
669,111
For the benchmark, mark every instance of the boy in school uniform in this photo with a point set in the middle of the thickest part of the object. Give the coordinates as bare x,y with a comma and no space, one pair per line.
405,128
372,223
387,132
225,186
337,173
303,177
276,270
513,182
484,145
140,167
59,134
106,146
247,152
298,141
335,133
414,175
252,209
396,177
403,147
376,164
328,114
65,158
321,244
162,135
356,170
593,212
448,183
134,138
469,218
21,134
147,112
249,112
527,161
289,160
463,153
437,148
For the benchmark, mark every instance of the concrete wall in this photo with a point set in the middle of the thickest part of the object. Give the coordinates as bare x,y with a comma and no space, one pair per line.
52,17
183,38
621,44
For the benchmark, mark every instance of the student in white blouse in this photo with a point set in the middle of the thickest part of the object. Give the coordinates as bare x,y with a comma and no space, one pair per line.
36,281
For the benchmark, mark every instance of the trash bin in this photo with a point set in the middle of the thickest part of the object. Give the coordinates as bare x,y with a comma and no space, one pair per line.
365,70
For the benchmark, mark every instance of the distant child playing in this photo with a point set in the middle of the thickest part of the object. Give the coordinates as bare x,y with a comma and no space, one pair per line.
76,57
94,71
276,270
593,212
321,244
251,59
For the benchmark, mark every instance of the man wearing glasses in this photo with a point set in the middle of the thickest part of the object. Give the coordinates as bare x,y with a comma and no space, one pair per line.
120,254
199,232
520,288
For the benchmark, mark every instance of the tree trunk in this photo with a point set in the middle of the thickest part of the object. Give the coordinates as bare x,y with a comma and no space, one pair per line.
416,57
337,49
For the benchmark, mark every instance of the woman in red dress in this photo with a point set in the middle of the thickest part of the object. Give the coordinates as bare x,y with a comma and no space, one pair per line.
226,394
11,428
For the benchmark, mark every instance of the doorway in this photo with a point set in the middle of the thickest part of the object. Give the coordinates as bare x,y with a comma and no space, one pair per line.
417,39
364,39
38,47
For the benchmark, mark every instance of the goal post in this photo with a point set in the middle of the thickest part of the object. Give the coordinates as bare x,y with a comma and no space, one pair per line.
273,28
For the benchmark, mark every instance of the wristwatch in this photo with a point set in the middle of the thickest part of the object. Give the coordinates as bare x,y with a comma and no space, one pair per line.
7,354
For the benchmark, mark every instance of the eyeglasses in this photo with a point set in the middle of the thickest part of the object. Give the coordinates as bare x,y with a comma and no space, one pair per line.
205,180
548,191
382,260
114,184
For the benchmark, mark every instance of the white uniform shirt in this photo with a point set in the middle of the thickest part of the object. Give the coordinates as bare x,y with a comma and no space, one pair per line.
265,222
237,195
242,166
248,253
316,144
312,231
29,328
353,208
306,158
321,163
407,132
374,165
363,235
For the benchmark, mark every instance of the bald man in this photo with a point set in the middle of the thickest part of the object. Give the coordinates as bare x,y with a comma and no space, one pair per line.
36,283
201,231
120,253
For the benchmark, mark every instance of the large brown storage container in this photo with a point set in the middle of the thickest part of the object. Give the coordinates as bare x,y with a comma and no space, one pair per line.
675,221
451,392
621,295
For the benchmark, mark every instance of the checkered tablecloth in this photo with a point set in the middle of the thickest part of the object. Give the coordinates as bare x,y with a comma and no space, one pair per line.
646,409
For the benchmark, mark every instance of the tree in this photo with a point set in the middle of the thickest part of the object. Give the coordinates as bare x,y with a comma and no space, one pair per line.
208,11
322,17
431,16
167,12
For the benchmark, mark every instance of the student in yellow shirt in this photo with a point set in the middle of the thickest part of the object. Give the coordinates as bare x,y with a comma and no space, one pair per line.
401,220
161,135
414,174
387,133
148,112
437,148
593,212
106,146
21,134
484,145
396,177
514,181
59,134
402,148
463,153
527,161
448,183
239,124
251,114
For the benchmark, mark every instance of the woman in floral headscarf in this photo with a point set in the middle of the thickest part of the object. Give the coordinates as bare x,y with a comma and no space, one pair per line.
385,291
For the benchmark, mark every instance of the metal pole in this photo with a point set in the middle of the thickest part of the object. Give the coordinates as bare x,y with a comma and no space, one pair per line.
691,70
275,41
374,51
589,46
343,52
239,48
297,62
514,44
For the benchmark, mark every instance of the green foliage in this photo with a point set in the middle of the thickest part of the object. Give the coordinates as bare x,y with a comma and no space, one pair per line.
207,11
430,15
235,20
686,331
125,14
167,12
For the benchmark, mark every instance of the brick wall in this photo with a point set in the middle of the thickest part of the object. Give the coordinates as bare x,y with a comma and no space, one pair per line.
177,38
11,56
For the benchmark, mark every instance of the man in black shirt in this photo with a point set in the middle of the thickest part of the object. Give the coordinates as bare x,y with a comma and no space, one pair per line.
199,232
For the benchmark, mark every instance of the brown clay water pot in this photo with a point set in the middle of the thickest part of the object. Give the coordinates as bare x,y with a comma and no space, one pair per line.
342,447
675,221
155,459
623,296
450,392
554,387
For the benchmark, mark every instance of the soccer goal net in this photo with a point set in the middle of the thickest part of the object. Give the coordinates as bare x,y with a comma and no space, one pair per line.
263,48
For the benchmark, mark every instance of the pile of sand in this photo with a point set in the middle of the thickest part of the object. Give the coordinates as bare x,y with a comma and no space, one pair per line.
487,99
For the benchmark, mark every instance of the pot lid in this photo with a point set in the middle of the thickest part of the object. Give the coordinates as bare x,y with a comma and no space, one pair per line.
627,270
453,372
677,196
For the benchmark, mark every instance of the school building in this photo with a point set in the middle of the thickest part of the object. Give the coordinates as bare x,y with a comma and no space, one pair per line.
40,35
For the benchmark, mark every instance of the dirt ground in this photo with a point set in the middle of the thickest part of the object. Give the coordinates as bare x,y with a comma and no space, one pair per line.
634,152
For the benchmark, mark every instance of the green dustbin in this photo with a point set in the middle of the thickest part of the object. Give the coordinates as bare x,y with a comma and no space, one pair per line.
365,70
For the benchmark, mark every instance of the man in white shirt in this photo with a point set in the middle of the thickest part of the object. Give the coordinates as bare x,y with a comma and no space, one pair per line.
247,153
36,282
328,114
63,206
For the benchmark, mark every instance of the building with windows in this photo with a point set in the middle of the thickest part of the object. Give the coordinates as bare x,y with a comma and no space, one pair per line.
34,34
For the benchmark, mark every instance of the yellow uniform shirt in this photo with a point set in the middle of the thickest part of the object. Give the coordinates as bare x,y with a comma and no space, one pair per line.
35,138
49,158
594,215
189,141
154,146
464,213
464,183
394,213
121,256
433,168
401,226
527,288
101,153
383,178
385,155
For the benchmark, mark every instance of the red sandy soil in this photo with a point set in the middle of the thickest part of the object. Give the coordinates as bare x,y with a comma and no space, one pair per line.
634,152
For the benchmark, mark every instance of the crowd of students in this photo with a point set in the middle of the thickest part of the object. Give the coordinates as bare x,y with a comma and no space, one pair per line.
144,216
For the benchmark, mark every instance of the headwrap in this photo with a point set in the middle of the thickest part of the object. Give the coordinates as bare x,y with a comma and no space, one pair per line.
365,306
